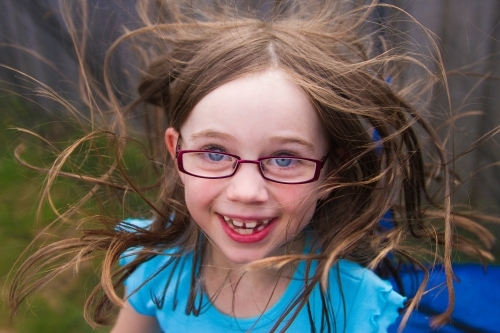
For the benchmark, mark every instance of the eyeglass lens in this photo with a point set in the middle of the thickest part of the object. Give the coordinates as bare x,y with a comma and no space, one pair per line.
215,164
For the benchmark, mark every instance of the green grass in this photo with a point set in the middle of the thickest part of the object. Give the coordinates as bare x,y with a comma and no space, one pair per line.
59,306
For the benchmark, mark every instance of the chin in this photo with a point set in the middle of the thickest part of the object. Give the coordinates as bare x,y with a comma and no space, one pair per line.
243,257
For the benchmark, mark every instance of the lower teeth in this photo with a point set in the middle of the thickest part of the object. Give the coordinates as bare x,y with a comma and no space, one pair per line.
244,231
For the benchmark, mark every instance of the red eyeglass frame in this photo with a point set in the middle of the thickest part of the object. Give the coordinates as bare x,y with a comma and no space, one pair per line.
180,165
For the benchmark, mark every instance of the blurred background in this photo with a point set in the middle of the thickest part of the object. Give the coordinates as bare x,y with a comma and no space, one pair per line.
32,31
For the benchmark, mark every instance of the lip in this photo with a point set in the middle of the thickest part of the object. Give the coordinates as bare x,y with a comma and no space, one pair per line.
251,238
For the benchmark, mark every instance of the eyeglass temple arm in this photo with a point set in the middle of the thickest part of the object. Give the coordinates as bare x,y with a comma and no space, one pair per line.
323,160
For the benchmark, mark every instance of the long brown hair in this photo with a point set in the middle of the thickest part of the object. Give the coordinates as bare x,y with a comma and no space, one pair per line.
337,55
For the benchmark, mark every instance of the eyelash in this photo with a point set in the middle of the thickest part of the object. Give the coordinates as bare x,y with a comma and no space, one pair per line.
284,153
214,148
218,148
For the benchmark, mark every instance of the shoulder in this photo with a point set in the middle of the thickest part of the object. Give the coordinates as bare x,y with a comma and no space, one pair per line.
365,295
159,281
131,226
149,283
353,273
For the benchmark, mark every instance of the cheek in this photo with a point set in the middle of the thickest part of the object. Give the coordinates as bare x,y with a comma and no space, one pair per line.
299,200
199,194
292,195
299,206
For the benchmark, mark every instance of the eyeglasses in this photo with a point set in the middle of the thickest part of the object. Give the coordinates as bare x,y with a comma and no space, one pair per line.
280,169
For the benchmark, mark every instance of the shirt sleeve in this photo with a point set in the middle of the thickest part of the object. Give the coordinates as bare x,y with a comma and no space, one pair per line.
372,303
388,302
137,286
137,293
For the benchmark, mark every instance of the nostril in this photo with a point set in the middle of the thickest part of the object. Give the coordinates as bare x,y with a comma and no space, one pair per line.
247,185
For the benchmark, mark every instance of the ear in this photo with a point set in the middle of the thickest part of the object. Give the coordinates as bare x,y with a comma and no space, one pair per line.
332,166
325,194
171,138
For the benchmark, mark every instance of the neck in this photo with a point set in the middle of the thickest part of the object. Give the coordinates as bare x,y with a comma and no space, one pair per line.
238,290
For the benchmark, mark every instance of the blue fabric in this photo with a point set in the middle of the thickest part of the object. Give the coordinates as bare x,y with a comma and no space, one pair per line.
477,297
371,304
477,294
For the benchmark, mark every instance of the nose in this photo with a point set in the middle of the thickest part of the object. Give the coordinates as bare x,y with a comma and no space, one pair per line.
247,185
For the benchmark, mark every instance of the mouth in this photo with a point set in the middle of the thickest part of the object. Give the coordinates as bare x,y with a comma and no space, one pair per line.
247,231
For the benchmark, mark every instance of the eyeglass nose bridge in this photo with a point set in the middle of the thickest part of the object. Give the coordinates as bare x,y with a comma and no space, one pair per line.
258,162
238,162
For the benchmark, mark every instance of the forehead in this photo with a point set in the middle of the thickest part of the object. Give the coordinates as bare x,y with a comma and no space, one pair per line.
255,108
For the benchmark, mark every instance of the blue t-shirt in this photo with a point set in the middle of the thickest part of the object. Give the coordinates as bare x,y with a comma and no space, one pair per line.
360,300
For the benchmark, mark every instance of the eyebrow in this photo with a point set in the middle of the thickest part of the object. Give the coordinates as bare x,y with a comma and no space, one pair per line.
294,140
211,134
277,139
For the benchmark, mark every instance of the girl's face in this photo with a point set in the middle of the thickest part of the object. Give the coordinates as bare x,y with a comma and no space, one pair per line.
254,116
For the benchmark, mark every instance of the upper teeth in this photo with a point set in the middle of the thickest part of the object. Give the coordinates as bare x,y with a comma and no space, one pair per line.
250,225
247,224
238,223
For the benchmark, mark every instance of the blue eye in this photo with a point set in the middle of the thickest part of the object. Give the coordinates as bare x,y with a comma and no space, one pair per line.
283,162
215,157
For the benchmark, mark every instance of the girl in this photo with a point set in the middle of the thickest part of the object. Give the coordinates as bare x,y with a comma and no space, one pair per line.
272,186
